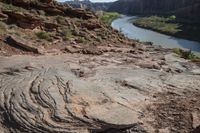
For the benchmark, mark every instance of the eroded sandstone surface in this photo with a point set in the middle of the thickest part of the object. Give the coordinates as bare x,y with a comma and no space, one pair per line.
64,71
123,90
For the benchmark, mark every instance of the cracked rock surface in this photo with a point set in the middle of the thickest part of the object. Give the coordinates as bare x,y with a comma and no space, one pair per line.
109,93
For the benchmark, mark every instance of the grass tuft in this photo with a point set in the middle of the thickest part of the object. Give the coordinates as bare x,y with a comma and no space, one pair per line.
67,34
185,54
2,28
43,35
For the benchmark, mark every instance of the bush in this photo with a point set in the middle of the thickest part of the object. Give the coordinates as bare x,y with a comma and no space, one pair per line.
43,35
67,34
173,17
186,54
2,28
81,40
60,20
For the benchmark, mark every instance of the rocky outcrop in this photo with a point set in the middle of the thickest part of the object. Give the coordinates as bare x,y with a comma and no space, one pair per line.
51,7
22,44
91,25
80,13
107,93
52,25
23,20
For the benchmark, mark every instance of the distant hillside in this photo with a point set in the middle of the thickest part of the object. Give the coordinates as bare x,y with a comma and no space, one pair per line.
88,4
186,8
39,26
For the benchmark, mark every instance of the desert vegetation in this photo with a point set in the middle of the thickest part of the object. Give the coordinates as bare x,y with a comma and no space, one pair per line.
161,24
171,25
108,17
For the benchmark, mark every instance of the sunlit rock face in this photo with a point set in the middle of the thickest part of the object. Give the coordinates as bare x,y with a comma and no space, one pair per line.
74,94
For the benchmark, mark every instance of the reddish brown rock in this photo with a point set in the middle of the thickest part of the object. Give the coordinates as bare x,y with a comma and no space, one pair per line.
21,44
50,26
91,25
23,20
79,13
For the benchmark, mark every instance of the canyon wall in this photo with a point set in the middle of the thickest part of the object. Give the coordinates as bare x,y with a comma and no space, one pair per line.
186,8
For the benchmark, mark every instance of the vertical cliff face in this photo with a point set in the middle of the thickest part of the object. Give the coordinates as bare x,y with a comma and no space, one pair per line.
147,7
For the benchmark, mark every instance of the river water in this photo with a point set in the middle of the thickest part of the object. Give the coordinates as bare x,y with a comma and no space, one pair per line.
124,25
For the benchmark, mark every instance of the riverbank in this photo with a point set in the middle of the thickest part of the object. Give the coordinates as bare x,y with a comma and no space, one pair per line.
125,26
108,17
171,26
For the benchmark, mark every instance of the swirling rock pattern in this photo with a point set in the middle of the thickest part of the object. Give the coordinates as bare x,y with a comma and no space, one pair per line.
73,94
51,100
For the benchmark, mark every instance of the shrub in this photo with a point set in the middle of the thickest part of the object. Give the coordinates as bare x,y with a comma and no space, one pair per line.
81,40
60,20
186,54
2,28
173,17
43,35
67,34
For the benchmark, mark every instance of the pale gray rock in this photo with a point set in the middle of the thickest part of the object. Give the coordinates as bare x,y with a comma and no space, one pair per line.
74,93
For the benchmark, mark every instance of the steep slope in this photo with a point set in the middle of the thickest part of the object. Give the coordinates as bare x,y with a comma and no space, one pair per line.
48,26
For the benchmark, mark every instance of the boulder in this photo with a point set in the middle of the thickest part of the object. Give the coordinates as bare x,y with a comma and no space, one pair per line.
21,44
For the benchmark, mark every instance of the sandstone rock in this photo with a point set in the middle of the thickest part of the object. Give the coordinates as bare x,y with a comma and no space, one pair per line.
63,106
97,95
91,25
3,16
79,13
23,20
21,44
72,49
196,119
50,26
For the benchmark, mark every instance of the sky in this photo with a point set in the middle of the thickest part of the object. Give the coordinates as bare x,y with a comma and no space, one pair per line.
92,0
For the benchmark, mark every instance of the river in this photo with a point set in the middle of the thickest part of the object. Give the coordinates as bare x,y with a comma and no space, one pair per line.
124,25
